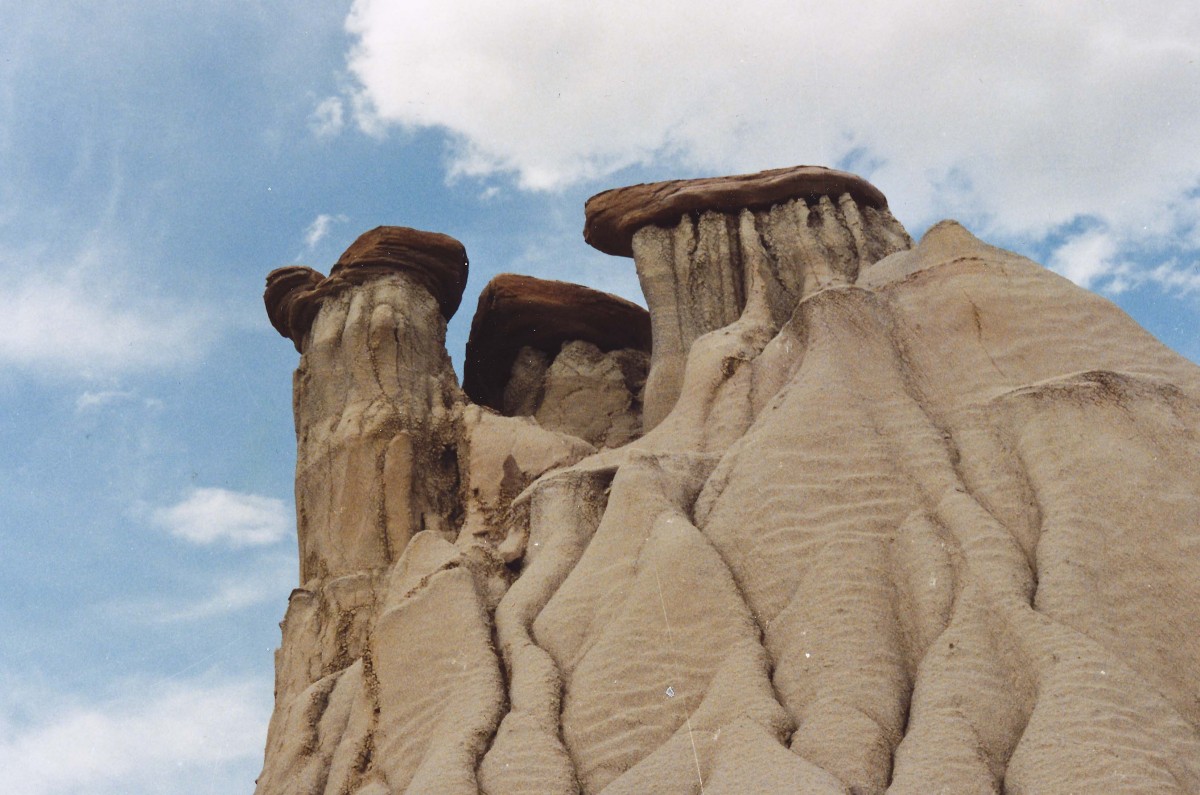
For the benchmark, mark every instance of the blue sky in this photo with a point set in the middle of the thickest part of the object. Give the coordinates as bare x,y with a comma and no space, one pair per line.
157,159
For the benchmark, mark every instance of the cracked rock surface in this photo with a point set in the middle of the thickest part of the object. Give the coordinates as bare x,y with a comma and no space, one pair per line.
906,519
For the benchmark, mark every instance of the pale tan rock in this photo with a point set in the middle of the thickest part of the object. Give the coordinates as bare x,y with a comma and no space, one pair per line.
374,396
594,395
911,522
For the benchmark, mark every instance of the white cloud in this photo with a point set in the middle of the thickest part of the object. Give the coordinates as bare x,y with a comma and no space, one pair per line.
211,515
1176,277
1018,121
191,737
1086,258
318,230
328,118
79,315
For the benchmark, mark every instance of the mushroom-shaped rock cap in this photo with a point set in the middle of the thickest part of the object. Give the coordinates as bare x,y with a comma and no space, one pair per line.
615,215
519,311
292,298
438,261
284,288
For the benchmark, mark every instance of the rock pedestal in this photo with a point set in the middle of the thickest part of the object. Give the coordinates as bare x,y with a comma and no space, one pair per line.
704,247
374,393
573,357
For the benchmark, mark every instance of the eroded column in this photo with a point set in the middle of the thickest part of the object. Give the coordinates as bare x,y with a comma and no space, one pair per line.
701,247
373,396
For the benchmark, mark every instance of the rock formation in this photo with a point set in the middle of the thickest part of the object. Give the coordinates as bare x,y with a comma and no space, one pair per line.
573,357
903,519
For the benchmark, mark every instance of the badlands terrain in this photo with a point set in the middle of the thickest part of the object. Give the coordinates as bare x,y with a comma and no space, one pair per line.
842,513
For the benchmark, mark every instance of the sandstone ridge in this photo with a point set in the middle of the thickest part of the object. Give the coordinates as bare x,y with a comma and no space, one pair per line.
878,518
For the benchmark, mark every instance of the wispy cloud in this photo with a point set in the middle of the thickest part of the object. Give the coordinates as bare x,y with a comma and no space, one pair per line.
77,315
318,230
229,597
328,119
167,739
91,400
213,515
268,579
104,397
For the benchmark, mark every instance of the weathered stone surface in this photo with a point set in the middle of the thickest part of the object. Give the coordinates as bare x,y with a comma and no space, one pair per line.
615,215
707,249
516,312
438,261
922,524
435,261
594,395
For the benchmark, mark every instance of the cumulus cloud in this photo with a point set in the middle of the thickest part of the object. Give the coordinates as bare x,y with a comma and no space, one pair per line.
74,316
190,737
1019,121
328,118
212,515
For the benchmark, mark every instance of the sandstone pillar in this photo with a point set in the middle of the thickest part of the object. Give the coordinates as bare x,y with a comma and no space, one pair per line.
701,247
373,398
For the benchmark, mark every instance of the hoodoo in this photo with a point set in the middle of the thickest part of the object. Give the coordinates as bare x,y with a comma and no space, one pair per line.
574,357
705,248
895,518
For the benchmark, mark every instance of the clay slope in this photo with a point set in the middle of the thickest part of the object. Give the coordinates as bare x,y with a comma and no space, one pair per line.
912,520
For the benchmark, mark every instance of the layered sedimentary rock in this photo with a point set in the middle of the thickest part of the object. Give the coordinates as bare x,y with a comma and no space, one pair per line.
911,520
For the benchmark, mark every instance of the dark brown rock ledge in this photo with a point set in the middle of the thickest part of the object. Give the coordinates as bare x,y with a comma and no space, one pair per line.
437,262
614,215
516,312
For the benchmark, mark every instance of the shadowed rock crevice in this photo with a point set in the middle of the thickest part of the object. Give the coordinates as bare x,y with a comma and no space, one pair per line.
906,519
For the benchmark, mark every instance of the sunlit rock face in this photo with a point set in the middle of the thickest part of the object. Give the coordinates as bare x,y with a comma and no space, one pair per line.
375,395
896,518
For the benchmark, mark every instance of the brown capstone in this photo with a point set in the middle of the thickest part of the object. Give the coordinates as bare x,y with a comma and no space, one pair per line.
516,311
438,262
614,215
288,300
